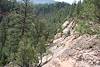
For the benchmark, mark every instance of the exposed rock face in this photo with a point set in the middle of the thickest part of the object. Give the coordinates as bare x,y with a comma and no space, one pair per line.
69,27
75,50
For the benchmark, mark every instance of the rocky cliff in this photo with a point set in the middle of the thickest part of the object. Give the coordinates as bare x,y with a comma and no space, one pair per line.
71,49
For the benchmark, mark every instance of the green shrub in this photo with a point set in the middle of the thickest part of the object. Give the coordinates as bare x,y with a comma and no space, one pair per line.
83,27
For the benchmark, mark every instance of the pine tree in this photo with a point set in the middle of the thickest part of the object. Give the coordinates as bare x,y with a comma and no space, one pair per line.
88,9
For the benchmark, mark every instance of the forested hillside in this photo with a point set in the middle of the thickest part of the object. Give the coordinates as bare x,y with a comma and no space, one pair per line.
27,28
